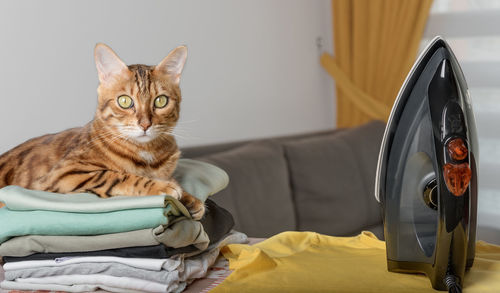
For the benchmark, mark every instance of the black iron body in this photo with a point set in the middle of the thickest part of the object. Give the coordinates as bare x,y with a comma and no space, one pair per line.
432,107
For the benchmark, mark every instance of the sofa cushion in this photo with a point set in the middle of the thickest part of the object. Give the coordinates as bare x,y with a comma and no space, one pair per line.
332,178
258,195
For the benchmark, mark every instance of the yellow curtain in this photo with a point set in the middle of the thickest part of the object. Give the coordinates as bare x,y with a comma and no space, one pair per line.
376,42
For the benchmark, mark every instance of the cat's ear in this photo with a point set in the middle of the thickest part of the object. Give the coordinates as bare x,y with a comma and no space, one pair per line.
173,64
109,65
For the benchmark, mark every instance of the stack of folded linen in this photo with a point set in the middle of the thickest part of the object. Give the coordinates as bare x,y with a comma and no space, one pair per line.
81,243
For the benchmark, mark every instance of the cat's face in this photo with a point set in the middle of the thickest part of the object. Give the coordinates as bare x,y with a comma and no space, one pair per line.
138,103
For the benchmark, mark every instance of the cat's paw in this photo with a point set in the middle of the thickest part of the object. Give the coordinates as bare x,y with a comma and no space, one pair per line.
166,188
195,206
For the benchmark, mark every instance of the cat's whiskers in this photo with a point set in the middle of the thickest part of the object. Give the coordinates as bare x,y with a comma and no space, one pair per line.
102,136
158,131
187,122
96,138
114,139
167,134
180,132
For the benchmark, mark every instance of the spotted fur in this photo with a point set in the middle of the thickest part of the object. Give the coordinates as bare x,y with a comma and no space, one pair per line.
109,156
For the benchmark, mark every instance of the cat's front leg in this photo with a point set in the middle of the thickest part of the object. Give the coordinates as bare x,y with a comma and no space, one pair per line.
107,183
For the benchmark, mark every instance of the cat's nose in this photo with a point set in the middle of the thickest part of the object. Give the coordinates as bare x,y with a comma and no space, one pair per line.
145,124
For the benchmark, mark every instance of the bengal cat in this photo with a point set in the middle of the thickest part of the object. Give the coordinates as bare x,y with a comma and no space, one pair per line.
127,149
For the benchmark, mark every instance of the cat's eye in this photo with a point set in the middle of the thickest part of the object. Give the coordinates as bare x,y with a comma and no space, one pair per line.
125,102
161,101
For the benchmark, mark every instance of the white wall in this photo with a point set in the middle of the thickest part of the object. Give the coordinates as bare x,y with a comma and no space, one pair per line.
253,66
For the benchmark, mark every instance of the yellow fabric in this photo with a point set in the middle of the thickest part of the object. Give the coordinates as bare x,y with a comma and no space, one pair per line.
311,262
376,42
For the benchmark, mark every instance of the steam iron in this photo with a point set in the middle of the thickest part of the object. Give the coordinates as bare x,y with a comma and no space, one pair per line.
426,178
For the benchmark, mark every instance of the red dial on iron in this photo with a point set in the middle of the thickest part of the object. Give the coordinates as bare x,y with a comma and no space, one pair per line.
457,149
457,177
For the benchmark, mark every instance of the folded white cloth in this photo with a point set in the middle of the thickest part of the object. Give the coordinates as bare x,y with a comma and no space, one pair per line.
111,281
10,285
140,263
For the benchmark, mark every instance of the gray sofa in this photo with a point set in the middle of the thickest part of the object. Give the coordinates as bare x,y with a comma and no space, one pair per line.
320,182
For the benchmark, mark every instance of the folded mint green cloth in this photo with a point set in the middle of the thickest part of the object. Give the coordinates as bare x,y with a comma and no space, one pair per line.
198,178
19,223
